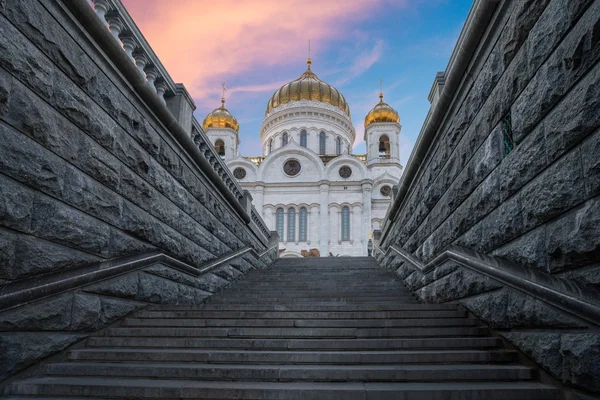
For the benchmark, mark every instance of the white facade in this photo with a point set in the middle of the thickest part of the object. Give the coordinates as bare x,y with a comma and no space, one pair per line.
319,208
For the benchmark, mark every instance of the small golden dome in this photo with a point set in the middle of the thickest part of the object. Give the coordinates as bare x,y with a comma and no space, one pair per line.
308,87
221,118
382,112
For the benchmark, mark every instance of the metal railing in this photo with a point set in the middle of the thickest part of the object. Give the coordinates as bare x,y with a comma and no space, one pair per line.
572,297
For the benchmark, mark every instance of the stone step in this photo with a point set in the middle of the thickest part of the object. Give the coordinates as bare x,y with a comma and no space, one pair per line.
315,293
173,389
444,343
299,332
186,313
295,357
305,372
304,303
300,307
304,323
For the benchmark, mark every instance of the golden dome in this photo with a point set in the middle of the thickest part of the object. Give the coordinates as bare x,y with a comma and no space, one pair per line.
308,87
382,112
221,118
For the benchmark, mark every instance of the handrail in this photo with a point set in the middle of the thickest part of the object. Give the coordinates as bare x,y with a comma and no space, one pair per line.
267,251
569,296
24,291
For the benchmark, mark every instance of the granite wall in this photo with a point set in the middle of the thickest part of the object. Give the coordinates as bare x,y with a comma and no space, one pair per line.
88,173
513,171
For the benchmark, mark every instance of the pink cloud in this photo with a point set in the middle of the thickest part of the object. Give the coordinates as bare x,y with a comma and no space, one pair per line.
202,43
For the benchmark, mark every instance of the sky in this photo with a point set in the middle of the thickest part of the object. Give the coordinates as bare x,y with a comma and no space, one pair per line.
256,46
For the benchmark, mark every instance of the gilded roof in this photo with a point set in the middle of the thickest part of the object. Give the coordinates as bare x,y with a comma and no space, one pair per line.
382,112
221,118
308,87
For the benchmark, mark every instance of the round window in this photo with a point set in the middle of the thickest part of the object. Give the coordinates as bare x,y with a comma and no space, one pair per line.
239,173
385,190
345,171
292,167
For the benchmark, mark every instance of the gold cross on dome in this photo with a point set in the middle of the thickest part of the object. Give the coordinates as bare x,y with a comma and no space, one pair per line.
224,89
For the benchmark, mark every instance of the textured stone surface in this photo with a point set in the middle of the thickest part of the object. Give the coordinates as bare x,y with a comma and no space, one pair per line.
51,314
154,289
559,188
491,307
528,250
178,276
211,283
89,173
417,280
21,350
69,226
86,312
581,355
227,272
591,163
573,240
458,284
543,347
125,286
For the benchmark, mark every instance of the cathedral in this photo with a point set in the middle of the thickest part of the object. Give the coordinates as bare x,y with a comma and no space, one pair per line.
307,184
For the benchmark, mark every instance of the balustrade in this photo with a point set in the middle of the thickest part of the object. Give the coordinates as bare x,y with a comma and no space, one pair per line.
119,23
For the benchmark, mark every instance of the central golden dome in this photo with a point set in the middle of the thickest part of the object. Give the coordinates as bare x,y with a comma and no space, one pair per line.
308,87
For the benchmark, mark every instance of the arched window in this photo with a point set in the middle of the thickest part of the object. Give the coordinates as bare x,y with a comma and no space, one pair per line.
338,145
303,138
270,145
279,223
345,223
322,143
384,146
303,224
291,225
220,147
284,139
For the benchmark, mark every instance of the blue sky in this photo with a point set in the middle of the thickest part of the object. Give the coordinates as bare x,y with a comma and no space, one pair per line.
256,46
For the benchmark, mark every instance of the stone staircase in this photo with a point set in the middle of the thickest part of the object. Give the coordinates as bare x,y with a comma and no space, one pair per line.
304,329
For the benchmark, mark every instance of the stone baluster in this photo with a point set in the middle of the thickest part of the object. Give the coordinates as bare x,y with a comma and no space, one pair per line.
129,45
116,26
140,62
102,7
151,75
161,88
324,219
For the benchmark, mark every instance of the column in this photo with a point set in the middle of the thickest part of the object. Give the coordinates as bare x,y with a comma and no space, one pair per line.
285,225
356,226
335,231
314,226
259,196
366,215
324,219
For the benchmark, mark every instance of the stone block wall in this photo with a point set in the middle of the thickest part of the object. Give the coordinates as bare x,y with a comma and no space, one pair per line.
40,328
513,171
89,173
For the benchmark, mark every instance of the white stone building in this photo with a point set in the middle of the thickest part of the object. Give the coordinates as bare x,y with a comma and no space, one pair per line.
307,184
